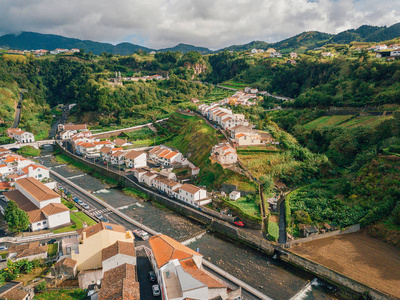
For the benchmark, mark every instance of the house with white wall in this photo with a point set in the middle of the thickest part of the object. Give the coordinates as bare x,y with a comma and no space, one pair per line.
24,137
43,205
136,159
180,272
224,153
192,195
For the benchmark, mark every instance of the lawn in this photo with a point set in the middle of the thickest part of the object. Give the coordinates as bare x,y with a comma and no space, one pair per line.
52,249
28,151
77,294
248,208
78,218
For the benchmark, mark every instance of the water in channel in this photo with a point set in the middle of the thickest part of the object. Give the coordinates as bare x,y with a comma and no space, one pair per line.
272,277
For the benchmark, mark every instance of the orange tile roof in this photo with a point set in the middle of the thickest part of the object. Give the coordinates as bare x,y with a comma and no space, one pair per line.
26,169
54,208
240,135
119,247
91,230
134,154
171,155
205,278
86,145
120,142
190,188
5,185
66,261
120,283
37,189
166,249
154,149
163,153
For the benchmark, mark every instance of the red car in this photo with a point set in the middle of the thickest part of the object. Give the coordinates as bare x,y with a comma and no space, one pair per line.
239,223
104,162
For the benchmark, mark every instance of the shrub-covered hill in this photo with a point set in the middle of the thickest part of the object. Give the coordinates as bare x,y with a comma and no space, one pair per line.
195,138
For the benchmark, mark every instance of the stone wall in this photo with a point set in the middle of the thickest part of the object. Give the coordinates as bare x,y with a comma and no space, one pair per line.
333,276
350,229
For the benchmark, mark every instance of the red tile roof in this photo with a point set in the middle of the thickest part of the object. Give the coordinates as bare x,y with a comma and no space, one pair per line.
119,247
37,189
165,249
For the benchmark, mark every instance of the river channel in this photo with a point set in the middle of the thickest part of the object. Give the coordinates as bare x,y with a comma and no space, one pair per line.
272,277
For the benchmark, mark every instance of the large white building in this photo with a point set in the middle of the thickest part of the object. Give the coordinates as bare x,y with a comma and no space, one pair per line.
135,159
43,205
224,154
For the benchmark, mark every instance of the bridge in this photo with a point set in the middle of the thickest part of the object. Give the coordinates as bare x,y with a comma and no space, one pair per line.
35,145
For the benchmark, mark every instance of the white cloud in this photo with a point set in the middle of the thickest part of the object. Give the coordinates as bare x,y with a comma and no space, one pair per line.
210,23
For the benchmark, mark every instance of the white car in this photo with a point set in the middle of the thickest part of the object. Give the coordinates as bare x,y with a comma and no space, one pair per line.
2,248
156,290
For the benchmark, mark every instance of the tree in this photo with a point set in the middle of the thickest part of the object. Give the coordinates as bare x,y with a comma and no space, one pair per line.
16,218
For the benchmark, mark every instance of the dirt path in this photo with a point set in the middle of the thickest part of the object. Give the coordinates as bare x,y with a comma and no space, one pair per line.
357,256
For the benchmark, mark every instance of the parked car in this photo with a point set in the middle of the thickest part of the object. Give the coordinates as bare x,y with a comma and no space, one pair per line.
239,223
99,216
152,276
104,219
142,234
2,248
80,202
52,241
76,199
104,163
156,290
85,206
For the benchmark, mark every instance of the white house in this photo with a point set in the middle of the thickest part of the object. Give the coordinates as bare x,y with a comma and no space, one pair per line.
234,195
119,253
24,136
180,272
35,171
43,205
224,154
67,134
192,195
136,159
117,158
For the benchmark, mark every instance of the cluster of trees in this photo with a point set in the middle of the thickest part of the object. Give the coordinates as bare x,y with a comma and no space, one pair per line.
15,269
16,218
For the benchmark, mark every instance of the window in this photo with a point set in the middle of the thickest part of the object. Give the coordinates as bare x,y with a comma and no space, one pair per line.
44,222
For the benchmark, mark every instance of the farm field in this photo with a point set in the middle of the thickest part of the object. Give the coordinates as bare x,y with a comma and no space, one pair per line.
358,256
347,121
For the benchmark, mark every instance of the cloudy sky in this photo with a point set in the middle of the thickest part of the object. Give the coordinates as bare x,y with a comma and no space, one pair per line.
209,23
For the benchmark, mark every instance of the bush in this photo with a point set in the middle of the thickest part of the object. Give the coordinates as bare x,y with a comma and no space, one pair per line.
41,287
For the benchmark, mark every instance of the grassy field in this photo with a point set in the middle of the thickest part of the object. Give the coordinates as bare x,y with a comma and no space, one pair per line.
249,208
77,294
28,151
348,121
52,249
78,218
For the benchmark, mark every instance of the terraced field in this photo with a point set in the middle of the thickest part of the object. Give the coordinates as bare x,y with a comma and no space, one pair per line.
348,121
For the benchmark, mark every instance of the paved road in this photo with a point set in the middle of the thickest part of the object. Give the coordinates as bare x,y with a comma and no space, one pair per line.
18,112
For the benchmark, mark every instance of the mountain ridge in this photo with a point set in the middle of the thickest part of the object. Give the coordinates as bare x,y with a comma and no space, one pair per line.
300,42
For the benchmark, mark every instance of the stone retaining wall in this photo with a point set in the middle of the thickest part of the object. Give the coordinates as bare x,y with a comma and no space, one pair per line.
350,229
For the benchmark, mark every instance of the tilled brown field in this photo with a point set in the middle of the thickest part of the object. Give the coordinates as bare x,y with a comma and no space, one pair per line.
357,256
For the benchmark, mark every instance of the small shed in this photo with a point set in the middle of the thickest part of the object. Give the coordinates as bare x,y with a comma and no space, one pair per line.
234,195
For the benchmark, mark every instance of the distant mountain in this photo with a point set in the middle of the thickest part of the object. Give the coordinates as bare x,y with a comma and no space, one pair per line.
305,40
249,46
186,48
301,42
32,40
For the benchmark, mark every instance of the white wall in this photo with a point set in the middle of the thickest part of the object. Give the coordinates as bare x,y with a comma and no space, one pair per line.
35,226
118,260
59,219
